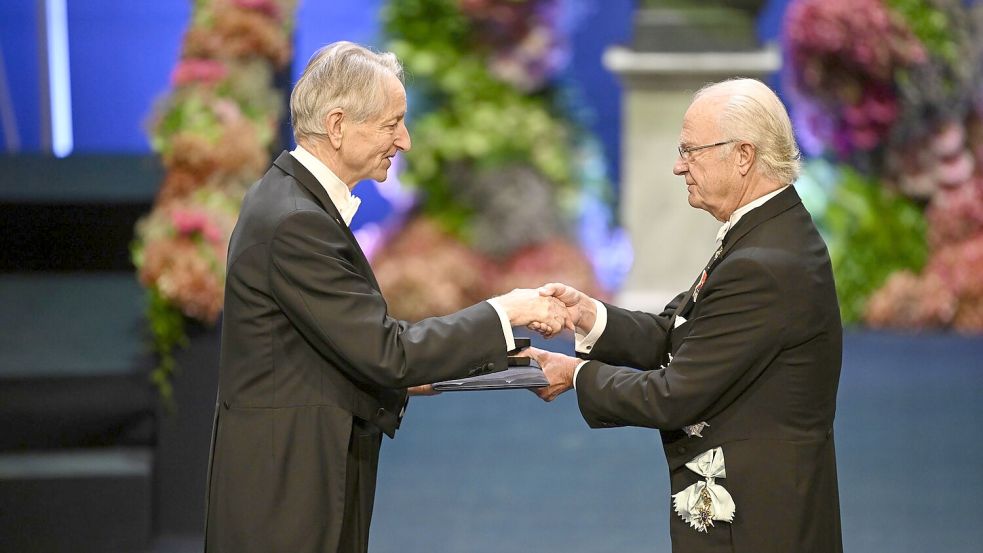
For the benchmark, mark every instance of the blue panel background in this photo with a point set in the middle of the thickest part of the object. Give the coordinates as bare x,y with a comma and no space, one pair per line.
770,19
122,54
321,22
19,41
599,24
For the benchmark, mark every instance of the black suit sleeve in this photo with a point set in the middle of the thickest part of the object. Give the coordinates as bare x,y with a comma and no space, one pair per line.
737,332
634,338
345,318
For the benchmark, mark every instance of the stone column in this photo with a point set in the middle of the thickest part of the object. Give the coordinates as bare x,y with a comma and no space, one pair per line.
672,240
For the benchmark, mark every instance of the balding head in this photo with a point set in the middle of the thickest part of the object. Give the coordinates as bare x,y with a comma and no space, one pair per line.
748,110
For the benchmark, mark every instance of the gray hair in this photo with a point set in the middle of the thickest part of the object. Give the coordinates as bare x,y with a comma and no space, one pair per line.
753,113
340,75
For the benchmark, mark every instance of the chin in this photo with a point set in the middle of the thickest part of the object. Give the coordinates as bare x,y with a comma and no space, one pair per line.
694,201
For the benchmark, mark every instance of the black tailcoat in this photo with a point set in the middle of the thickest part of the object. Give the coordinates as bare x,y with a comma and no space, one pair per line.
307,347
758,358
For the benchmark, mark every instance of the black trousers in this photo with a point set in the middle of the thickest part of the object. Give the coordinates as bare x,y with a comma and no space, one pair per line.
360,475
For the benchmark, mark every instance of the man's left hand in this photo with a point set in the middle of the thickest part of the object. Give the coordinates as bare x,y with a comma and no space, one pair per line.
558,368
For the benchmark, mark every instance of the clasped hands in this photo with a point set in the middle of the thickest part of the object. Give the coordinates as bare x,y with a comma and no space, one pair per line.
549,310
538,311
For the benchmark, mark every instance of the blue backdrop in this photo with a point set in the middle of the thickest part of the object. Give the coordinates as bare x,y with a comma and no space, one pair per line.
122,53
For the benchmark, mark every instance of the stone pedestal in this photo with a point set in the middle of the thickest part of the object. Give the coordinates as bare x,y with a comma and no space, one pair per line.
672,240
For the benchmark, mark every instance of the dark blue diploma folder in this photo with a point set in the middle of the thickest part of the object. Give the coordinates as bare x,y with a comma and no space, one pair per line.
513,377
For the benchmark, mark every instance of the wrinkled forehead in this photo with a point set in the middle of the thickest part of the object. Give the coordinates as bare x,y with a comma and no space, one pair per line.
395,94
701,119
389,102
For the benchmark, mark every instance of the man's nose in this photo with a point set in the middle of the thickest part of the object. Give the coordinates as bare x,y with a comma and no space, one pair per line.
680,166
403,141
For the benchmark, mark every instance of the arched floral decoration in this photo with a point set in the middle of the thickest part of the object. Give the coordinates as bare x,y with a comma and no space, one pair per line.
213,132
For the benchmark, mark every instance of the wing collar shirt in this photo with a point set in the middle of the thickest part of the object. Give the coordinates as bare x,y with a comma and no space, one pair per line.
584,344
340,194
347,205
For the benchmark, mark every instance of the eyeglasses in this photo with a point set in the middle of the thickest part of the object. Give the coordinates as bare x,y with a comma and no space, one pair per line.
685,152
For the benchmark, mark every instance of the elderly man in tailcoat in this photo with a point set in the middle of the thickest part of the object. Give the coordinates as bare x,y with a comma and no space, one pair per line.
313,369
739,373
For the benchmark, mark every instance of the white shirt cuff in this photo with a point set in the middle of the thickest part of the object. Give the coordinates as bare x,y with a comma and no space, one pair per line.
584,344
576,372
506,325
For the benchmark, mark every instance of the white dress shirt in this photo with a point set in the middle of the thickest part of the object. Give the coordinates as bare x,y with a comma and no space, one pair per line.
347,204
584,344
340,194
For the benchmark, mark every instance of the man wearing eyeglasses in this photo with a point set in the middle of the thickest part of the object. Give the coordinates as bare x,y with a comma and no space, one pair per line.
739,373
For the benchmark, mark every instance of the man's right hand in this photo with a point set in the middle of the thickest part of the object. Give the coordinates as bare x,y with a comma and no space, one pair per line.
581,309
527,307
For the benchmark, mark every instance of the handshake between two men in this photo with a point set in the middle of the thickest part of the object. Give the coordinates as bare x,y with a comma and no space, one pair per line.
547,310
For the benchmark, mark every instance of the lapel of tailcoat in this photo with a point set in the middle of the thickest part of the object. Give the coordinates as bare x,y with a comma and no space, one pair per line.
784,201
289,164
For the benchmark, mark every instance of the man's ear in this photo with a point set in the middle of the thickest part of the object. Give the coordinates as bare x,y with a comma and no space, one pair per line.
745,157
334,126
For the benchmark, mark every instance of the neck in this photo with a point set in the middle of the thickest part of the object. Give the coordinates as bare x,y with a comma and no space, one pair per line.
326,154
753,188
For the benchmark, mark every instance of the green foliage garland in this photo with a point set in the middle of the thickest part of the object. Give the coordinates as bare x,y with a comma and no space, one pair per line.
471,117
872,232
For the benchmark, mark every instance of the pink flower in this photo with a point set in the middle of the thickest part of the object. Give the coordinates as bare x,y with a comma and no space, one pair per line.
955,170
191,221
864,138
268,8
955,214
881,107
195,70
227,111
949,140
190,277
855,115
960,265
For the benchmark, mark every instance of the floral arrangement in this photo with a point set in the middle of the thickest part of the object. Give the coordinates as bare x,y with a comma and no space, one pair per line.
495,160
213,132
891,91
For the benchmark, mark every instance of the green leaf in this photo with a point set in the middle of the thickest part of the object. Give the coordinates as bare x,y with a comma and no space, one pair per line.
168,332
871,232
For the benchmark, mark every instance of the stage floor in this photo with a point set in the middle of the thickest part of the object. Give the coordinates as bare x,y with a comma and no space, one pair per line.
504,472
